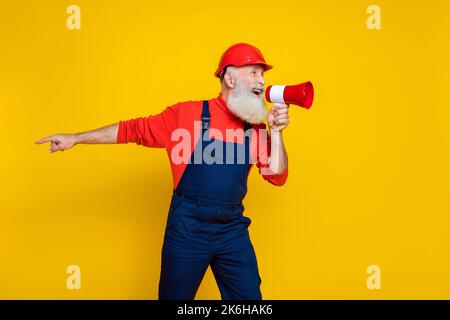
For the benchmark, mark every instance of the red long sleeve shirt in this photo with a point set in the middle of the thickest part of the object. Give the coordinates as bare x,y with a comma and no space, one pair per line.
156,131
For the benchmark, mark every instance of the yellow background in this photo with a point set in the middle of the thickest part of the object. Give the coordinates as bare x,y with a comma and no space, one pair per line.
369,163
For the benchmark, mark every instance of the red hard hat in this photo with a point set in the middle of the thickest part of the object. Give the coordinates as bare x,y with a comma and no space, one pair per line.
241,54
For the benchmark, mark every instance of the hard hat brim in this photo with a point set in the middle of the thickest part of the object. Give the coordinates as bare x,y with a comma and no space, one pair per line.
242,64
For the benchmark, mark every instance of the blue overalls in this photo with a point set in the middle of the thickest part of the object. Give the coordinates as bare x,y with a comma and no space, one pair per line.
206,226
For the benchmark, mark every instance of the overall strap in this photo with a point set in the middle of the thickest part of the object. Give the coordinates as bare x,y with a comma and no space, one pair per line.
206,116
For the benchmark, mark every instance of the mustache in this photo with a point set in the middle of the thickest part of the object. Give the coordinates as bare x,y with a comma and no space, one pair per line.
261,89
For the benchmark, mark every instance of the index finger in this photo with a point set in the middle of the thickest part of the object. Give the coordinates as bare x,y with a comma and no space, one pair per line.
46,139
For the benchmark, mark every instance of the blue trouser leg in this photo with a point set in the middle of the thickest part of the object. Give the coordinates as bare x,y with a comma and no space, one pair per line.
182,271
236,270
183,264
198,236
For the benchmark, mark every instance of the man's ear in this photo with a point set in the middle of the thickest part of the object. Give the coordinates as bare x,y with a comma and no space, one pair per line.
229,80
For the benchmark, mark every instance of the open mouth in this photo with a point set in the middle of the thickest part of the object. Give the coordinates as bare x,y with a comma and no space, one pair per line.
258,92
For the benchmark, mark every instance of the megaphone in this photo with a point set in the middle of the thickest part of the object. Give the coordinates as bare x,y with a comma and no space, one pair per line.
301,94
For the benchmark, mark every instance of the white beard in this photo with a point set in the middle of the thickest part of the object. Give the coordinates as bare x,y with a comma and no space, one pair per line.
244,104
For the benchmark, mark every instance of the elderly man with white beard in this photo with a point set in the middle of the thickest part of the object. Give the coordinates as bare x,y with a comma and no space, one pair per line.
205,223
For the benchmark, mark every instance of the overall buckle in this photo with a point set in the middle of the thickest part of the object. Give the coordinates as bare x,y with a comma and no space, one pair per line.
205,122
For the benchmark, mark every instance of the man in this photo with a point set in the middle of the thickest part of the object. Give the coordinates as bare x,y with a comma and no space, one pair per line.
205,224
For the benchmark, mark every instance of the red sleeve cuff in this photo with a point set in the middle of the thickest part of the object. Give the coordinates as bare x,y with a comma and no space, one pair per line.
121,136
275,179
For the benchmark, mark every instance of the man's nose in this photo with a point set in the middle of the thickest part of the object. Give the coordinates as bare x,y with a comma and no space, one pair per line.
261,80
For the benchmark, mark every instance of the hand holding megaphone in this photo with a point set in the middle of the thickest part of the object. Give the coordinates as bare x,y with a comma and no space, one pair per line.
301,94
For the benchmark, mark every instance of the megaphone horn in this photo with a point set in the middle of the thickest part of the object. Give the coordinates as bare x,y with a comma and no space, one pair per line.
301,94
